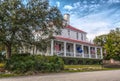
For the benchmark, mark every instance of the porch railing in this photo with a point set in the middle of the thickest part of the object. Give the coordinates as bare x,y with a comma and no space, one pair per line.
86,55
78,54
99,56
93,56
59,53
69,54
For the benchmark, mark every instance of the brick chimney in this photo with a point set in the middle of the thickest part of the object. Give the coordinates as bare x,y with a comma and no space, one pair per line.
67,18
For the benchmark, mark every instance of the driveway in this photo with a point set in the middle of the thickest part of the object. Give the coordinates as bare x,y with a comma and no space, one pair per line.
79,76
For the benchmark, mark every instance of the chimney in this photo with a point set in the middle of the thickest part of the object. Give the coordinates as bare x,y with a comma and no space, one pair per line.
67,18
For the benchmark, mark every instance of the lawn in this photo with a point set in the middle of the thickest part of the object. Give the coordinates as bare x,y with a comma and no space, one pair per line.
69,68
84,68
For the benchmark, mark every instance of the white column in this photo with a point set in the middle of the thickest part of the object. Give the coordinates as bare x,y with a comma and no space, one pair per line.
52,48
74,49
65,48
89,51
96,53
82,51
101,53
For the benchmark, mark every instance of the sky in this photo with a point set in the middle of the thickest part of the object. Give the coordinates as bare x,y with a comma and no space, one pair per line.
96,17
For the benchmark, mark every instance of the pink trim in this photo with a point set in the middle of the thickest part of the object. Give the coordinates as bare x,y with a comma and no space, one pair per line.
75,29
73,40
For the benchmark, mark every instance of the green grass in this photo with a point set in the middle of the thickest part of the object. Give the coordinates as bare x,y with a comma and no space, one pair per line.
85,68
81,66
70,68
7,75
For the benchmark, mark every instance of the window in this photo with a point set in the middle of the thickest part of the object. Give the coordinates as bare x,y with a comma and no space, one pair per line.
81,36
68,32
77,35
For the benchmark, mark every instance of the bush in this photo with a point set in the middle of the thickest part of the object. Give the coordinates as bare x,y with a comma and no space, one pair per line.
22,64
81,61
112,56
2,65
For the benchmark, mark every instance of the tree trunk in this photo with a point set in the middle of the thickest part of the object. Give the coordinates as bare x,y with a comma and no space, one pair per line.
8,48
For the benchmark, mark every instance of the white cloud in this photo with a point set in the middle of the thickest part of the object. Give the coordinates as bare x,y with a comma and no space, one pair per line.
58,4
95,19
68,7
76,5
113,1
79,7
94,24
117,24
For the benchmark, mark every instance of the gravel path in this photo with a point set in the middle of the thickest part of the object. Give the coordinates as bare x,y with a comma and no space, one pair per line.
80,76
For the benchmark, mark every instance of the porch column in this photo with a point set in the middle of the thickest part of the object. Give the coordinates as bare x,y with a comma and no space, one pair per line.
82,51
65,48
52,48
96,53
89,51
101,53
74,49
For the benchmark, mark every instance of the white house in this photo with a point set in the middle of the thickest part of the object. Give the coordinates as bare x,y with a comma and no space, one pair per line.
72,42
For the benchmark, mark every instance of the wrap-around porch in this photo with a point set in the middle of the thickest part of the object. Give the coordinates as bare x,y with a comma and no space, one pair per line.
74,49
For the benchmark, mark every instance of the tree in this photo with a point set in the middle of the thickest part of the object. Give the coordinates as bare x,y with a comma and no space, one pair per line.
19,18
110,43
100,40
113,44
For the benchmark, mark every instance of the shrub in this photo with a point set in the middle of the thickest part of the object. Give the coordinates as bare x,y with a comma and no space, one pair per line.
112,56
2,65
26,63
81,61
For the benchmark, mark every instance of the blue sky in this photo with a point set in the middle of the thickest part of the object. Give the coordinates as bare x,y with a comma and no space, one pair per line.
96,17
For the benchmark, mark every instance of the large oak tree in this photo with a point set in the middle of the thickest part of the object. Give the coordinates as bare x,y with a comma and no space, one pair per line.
19,18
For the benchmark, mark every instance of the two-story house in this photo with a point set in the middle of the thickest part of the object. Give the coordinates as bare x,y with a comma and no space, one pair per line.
72,42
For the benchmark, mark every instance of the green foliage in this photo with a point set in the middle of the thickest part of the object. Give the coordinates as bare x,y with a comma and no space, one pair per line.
21,64
80,61
100,40
110,44
2,65
18,20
